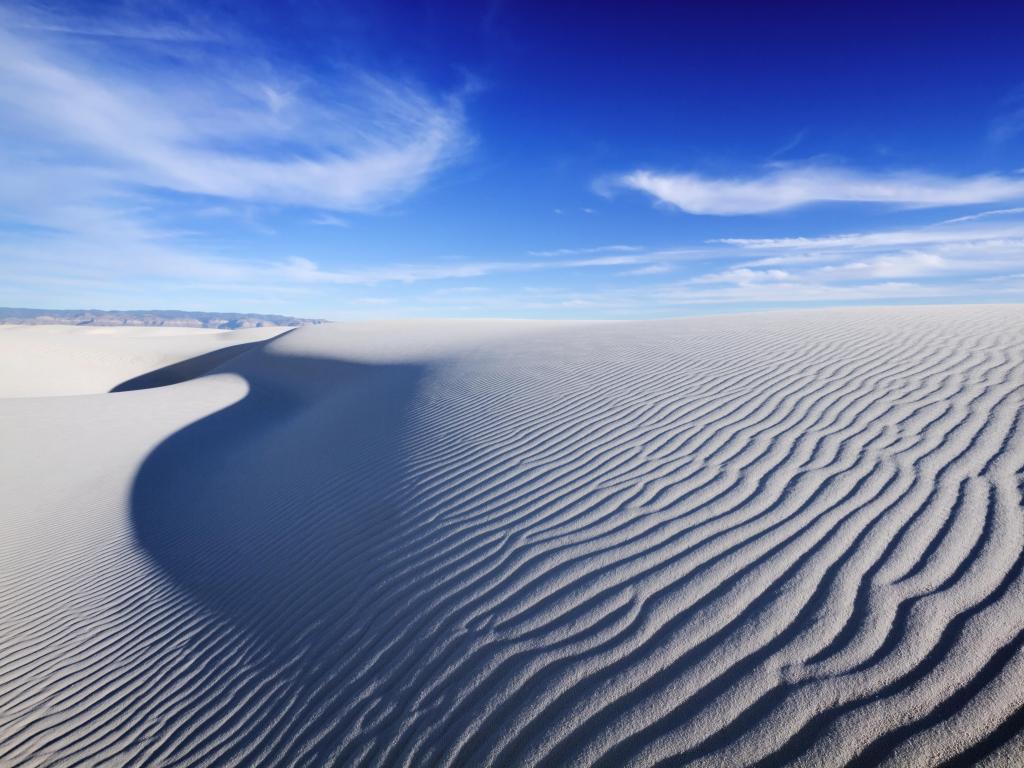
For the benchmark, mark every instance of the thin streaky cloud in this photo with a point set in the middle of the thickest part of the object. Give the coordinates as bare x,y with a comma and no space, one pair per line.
158,22
985,215
650,269
301,269
581,251
330,220
792,144
1007,126
793,187
893,238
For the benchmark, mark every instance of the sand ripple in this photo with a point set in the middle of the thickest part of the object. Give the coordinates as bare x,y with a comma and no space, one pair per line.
761,540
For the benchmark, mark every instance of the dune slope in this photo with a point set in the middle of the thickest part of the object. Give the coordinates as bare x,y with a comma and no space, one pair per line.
37,360
793,538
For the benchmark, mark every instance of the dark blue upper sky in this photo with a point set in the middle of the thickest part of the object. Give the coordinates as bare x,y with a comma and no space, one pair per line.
501,158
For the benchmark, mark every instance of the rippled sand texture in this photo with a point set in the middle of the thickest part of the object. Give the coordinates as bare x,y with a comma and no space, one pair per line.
794,538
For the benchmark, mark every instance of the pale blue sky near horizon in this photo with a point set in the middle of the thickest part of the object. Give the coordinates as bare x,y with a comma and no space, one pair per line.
594,160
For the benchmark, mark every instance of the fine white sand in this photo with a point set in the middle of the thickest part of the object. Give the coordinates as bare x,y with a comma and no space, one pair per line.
791,538
37,360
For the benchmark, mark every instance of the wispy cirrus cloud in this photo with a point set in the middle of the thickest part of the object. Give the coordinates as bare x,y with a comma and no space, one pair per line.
1010,123
128,141
114,252
985,215
882,239
155,21
657,268
301,269
965,260
948,249
217,120
794,186
582,251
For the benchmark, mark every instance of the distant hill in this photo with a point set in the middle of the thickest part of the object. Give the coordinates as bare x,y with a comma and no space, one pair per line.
156,317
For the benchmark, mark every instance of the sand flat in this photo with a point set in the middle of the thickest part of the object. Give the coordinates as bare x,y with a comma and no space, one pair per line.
789,538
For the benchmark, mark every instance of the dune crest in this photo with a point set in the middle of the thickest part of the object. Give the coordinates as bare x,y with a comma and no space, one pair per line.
48,360
790,538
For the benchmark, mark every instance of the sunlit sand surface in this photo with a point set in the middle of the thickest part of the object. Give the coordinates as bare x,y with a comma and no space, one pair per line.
791,538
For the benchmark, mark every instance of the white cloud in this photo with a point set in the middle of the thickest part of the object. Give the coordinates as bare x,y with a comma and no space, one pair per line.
1011,123
799,292
948,250
122,144
94,134
229,126
743,276
650,269
582,251
791,187
681,297
329,220
883,239
912,264
302,270
155,21
985,215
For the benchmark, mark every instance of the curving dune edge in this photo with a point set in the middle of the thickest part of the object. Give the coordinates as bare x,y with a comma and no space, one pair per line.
781,539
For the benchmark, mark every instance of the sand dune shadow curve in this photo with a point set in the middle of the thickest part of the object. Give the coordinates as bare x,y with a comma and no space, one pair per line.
274,511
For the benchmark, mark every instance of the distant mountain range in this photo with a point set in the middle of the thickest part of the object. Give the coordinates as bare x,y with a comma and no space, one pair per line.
156,317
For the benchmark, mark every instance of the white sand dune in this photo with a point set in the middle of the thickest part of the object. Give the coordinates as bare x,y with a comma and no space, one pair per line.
42,360
791,538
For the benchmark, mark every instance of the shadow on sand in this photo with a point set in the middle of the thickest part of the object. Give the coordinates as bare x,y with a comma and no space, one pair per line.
187,369
277,513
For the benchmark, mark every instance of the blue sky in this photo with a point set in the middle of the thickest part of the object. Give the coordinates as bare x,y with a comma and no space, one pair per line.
362,159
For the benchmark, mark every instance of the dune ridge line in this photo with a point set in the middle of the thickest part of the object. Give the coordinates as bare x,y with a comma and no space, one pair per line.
782,539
